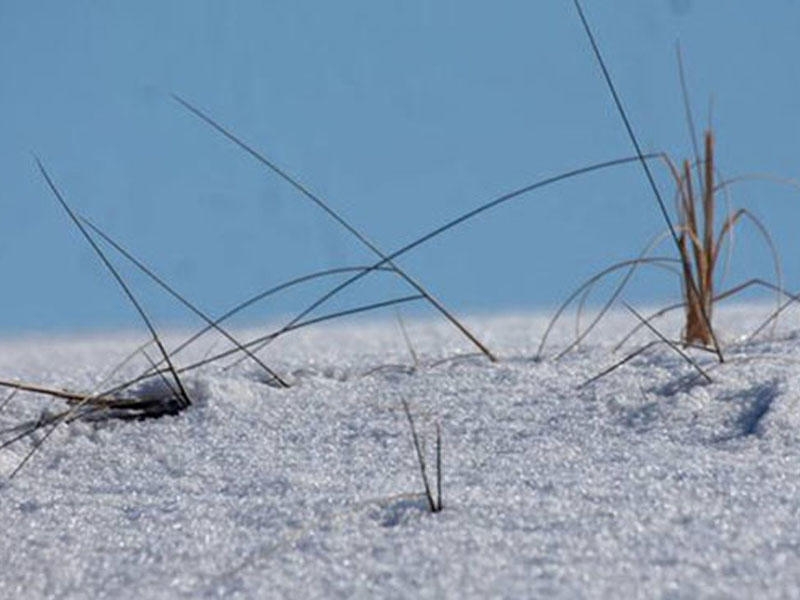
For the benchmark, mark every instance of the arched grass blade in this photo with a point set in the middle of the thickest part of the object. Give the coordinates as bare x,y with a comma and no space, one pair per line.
339,219
270,337
269,292
380,265
653,260
493,203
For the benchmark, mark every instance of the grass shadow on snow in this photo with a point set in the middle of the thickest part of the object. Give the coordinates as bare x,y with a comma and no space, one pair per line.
754,404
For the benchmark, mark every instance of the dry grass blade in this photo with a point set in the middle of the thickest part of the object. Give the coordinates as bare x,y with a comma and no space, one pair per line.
27,429
687,107
338,218
726,231
495,202
659,313
671,344
579,335
94,401
407,339
21,386
693,291
134,406
761,228
695,238
630,264
380,265
337,315
297,322
618,364
439,230
267,338
170,290
662,340
792,298
183,396
266,293
435,505
439,496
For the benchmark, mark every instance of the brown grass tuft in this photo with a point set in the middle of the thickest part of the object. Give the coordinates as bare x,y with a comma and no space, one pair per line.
698,244
698,247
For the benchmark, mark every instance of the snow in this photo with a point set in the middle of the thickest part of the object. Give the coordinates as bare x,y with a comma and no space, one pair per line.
648,483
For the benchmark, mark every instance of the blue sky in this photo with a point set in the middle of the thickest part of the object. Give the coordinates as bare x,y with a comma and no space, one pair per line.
401,115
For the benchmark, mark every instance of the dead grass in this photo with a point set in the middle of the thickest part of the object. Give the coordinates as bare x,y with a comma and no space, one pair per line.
434,503
703,232
699,246
697,242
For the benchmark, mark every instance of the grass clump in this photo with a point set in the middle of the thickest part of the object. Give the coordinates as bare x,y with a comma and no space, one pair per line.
698,242
698,245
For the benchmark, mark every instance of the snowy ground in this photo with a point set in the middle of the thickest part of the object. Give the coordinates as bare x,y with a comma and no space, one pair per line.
649,483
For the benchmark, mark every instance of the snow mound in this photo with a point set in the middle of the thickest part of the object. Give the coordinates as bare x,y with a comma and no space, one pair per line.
649,482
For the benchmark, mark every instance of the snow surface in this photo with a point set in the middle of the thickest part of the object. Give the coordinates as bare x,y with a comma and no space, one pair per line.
649,483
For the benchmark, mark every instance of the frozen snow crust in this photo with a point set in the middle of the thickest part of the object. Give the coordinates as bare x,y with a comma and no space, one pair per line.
647,484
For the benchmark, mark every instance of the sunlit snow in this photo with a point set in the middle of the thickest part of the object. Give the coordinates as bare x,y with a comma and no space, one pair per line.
648,483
